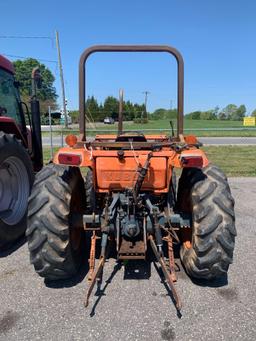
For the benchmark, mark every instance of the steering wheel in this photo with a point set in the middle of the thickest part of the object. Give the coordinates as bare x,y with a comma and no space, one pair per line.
135,136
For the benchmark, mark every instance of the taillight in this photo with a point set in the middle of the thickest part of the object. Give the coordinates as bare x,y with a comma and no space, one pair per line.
192,161
71,140
69,159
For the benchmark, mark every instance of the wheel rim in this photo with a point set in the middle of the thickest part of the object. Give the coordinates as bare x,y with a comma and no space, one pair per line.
14,190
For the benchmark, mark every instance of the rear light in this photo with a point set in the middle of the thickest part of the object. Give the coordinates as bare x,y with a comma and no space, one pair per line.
192,161
69,159
71,140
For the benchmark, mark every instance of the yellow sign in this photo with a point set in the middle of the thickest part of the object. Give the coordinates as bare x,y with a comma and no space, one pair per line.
249,121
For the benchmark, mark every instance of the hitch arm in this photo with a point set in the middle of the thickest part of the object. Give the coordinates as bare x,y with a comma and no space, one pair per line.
166,273
98,273
94,277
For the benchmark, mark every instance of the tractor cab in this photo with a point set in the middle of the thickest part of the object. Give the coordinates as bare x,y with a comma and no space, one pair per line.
11,112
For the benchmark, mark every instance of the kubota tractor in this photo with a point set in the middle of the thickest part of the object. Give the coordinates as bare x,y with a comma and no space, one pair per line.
129,198
20,155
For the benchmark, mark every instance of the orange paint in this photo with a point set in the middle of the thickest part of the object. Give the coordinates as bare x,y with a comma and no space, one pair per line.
113,173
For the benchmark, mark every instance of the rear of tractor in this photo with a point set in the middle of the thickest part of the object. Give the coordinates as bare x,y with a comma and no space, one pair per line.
129,200
20,156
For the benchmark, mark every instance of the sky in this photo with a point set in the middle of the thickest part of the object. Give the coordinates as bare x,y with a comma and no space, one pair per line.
215,37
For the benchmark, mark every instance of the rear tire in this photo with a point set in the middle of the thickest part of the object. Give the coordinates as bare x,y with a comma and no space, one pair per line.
206,195
16,179
89,192
56,247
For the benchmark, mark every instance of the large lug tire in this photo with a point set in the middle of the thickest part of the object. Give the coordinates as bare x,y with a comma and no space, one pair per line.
172,194
16,179
89,192
206,195
56,246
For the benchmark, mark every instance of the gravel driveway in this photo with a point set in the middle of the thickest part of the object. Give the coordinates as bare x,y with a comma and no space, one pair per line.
135,304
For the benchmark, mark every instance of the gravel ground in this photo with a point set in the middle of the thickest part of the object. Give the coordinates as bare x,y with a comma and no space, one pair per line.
133,308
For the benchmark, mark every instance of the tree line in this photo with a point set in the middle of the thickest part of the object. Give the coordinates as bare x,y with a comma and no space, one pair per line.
230,112
110,107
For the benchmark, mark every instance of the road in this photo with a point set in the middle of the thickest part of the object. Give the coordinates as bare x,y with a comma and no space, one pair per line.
133,308
205,140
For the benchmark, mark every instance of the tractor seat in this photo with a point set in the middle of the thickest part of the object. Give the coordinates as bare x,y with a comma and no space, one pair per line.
134,136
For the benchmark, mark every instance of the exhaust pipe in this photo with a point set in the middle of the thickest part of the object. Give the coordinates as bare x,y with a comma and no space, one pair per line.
36,121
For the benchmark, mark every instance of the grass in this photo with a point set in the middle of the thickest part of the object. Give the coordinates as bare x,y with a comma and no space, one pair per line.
233,160
164,125
47,153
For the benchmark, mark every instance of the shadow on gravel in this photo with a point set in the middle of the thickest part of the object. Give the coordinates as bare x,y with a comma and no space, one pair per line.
70,282
169,292
220,282
14,247
101,292
138,269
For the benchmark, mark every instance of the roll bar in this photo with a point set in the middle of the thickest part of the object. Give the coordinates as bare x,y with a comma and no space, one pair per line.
129,48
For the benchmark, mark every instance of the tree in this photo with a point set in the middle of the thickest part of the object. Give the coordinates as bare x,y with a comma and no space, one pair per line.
195,115
161,113
215,111
128,111
228,112
208,115
232,112
139,113
92,109
111,106
47,94
74,114
253,113
240,113
158,114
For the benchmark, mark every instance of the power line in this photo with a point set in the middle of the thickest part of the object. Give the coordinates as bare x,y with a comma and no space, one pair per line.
29,37
22,57
24,37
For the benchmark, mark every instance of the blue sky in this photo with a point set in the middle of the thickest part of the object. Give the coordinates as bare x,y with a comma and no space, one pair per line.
216,39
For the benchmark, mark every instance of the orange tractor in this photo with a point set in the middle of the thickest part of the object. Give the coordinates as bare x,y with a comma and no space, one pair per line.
129,198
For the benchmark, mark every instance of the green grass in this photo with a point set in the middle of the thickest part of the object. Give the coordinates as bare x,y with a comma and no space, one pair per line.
233,160
47,153
164,125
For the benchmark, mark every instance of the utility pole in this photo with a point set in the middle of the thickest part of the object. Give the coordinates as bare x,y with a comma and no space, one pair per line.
61,80
146,100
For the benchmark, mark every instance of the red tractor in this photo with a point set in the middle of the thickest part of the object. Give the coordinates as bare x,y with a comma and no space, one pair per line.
20,153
